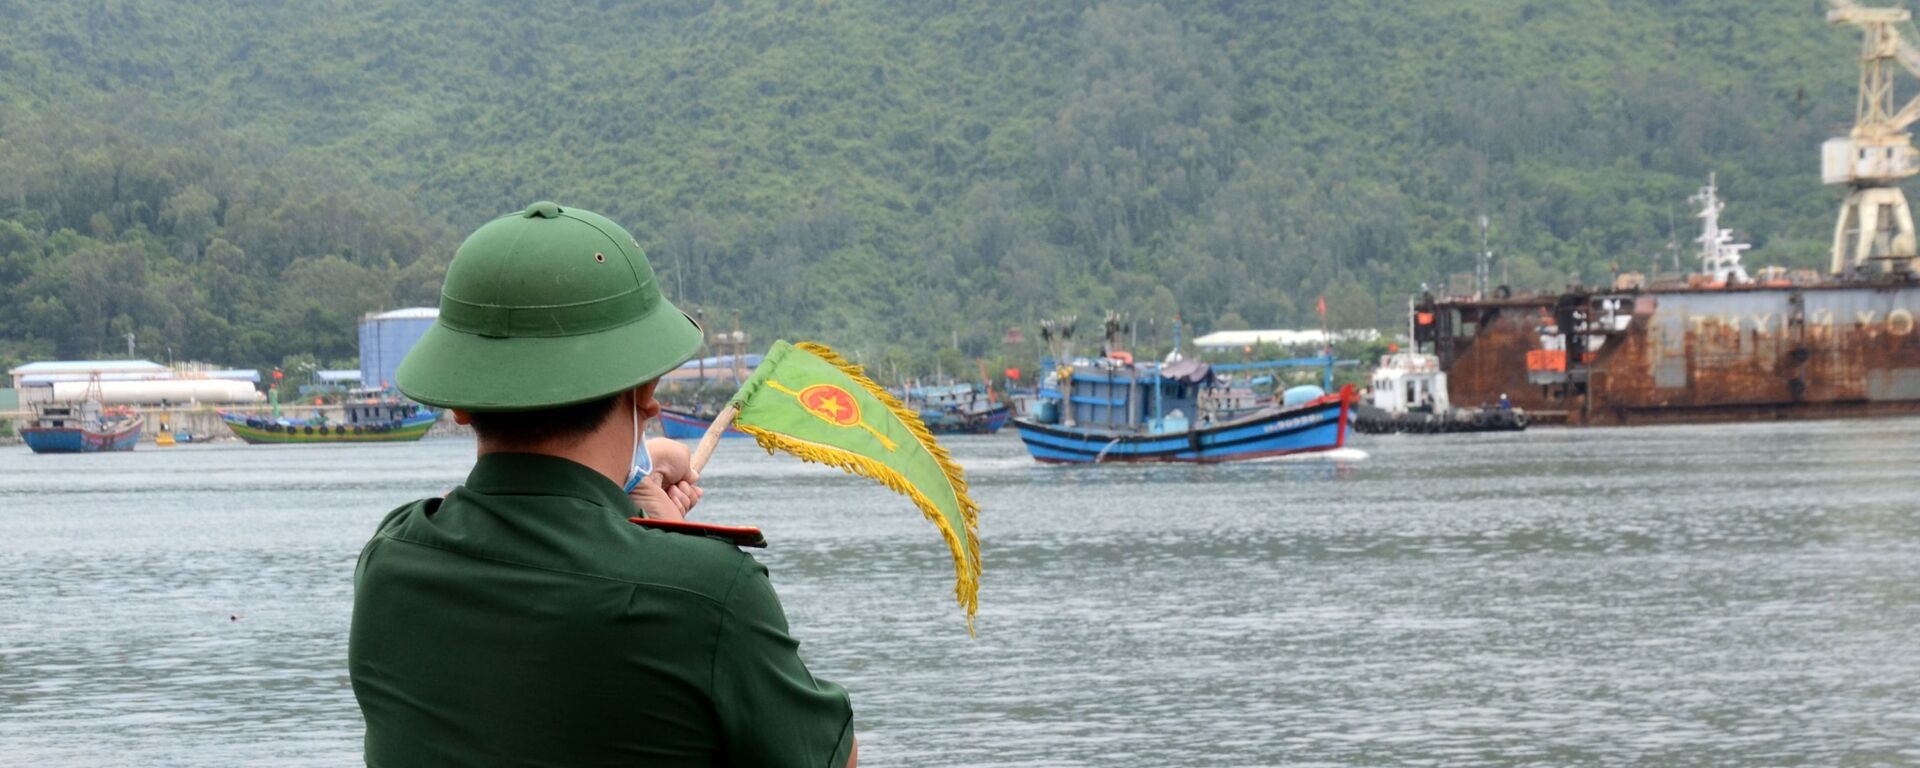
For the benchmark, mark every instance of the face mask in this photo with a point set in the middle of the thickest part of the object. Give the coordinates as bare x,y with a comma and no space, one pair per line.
642,461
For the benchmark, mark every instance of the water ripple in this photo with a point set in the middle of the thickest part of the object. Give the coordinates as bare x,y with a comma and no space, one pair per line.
1672,595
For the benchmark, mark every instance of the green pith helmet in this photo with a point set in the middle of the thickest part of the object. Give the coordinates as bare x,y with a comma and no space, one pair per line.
547,307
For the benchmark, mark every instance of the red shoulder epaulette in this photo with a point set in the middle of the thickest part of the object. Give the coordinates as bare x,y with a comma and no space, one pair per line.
737,535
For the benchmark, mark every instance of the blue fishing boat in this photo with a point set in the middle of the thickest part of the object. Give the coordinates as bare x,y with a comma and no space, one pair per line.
83,427
688,425
1116,410
959,409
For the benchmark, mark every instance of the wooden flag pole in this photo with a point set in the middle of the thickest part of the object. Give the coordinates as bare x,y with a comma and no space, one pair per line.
711,439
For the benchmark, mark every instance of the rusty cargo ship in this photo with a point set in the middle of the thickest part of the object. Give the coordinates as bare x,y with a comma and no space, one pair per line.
1685,354
1715,346
1719,345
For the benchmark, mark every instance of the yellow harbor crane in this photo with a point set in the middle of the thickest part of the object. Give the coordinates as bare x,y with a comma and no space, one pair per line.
1876,224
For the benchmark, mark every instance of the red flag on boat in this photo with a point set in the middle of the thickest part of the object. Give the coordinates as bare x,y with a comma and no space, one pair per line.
1323,306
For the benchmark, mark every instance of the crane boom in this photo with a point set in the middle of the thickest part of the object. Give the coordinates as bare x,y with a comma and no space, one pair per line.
1903,52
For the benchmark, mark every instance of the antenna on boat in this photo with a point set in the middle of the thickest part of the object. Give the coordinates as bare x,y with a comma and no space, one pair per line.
1112,332
1719,254
1413,342
1065,366
1326,339
1484,273
1673,240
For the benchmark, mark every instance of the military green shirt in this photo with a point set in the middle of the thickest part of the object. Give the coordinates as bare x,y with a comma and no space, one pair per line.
523,621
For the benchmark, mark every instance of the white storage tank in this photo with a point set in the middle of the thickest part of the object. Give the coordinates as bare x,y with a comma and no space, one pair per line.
155,392
385,339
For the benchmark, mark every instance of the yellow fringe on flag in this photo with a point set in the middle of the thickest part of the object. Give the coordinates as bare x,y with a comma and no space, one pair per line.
966,568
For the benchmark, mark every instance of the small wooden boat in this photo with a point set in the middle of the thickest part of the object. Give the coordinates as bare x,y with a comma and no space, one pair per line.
83,427
372,416
957,410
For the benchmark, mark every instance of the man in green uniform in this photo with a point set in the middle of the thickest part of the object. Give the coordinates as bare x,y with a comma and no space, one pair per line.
522,620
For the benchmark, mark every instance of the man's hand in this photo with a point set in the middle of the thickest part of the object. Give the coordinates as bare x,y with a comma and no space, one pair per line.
664,502
672,461
671,489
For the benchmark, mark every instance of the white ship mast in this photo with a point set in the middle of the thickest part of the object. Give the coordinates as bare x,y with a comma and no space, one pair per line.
1719,254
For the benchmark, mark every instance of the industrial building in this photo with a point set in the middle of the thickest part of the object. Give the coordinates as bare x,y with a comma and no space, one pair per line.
715,368
59,370
331,383
1236,340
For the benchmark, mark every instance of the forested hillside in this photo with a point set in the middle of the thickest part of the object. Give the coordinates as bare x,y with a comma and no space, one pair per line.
238,182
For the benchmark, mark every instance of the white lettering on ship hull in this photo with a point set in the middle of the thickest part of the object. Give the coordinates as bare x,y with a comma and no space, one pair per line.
1899,322
1286,424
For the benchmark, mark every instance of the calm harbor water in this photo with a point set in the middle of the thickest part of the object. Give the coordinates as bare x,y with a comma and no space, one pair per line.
1738,595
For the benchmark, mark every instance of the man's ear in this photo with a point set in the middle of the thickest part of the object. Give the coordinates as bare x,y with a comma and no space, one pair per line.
461,417
643,399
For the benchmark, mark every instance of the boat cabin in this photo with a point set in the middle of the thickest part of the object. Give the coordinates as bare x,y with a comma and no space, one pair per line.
959,398
66,415
366,407
1409,382
1125,397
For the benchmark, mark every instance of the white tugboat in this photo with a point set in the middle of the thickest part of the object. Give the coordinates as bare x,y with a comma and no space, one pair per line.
1409,394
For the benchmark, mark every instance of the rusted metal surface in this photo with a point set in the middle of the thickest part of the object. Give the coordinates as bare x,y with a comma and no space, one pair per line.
1675,355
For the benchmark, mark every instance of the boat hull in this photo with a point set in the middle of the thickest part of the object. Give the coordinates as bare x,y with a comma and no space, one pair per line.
1370,420
984,423
77,440
413,428
1319,425
680,425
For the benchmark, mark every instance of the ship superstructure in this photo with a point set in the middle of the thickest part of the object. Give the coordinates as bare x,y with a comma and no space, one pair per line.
1719,254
